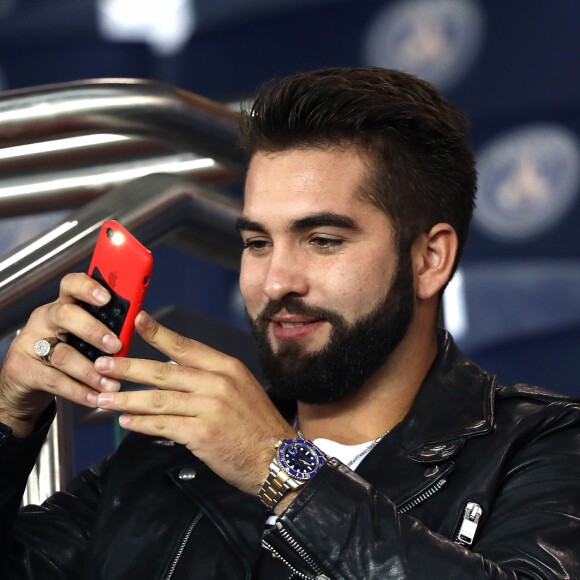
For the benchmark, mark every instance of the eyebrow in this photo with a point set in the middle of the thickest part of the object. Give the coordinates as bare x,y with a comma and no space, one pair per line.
245,224
321,219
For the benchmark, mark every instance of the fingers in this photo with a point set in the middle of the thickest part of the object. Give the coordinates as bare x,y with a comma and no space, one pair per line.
182,417
65,315
155,402
66,318
58,319
182,350
200,421
76,366
150,372
28,385
74,287
180,391
174,428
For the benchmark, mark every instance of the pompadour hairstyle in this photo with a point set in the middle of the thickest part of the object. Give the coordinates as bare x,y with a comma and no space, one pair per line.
421,166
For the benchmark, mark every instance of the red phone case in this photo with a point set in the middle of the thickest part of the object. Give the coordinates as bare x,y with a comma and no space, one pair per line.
123,265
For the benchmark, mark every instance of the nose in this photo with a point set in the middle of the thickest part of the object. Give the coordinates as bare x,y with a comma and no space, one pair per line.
286,274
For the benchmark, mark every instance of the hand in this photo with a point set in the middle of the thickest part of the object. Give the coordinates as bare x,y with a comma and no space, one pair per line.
209,402
28,385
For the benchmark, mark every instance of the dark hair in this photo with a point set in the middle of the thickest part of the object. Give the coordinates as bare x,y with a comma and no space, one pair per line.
422,166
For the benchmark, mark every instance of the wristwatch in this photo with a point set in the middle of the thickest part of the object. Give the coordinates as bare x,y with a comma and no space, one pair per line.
295,462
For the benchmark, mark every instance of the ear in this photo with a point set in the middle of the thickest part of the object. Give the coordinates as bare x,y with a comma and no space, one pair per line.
433,257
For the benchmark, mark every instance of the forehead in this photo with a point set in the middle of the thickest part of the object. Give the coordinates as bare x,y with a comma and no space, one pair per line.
307,180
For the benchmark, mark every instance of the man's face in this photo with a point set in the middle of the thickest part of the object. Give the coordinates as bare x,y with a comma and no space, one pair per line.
317,271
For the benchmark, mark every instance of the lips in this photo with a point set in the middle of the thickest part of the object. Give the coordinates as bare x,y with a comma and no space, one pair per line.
294,327
292,324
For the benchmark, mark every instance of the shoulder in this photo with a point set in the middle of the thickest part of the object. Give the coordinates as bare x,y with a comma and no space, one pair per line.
532,392
535,411
531,398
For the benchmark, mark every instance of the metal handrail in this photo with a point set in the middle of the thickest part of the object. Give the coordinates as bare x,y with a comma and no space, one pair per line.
152,207
143,123
147,127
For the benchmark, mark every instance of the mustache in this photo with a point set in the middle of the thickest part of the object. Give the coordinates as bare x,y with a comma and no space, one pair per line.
295,305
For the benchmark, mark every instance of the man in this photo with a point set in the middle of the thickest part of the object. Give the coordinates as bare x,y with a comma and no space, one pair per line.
358,196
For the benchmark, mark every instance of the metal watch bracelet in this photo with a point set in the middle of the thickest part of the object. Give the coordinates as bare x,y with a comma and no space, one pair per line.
277,485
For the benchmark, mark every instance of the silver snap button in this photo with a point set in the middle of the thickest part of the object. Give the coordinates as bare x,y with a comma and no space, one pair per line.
187,473
431,471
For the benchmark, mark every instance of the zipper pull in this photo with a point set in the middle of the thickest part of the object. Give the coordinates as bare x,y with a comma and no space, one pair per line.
469,524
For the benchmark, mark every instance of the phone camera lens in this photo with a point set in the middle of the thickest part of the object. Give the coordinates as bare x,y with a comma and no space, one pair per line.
110,233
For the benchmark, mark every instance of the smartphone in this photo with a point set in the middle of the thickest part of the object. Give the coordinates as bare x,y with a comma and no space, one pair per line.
123,266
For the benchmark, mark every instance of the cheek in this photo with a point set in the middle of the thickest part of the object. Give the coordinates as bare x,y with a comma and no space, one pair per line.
361,286
361,282
250,289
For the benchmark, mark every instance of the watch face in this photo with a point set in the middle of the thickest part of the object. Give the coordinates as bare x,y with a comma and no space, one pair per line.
299,458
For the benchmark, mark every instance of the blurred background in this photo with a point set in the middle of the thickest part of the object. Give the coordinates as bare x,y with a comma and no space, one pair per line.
512,66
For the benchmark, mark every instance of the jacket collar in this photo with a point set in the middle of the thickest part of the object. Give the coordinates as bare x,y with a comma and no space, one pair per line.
455,402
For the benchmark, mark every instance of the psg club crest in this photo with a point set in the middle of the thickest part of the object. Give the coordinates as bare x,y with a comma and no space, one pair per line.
436,41
528,181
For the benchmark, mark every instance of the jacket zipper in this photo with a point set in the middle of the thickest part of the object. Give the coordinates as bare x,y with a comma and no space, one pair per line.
182,544
423,496
275,554
469,524
302,553
429,490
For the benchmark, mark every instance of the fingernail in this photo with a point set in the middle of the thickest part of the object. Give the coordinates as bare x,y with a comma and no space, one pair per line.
101,296
92,399
110,385
124,420
144,320
105,399
112,343
104,363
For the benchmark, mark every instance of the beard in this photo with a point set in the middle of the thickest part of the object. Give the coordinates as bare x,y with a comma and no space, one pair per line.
353,353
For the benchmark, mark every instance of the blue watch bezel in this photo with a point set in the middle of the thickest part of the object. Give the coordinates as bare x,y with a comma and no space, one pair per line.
290,470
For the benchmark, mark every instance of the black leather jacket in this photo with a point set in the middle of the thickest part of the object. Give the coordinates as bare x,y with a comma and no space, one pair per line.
152,511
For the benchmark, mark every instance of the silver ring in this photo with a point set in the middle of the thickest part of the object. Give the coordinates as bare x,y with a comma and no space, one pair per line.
44,347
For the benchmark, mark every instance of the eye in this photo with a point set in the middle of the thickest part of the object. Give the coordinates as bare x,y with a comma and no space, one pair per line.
326,242
256,245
